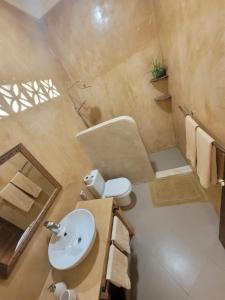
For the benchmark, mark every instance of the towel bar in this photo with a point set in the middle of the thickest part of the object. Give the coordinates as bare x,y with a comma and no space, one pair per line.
218,146
186,113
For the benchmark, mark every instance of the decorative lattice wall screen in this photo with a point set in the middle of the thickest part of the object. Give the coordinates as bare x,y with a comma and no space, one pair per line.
18,97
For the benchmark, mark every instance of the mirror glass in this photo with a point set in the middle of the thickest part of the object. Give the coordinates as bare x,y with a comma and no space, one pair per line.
24,196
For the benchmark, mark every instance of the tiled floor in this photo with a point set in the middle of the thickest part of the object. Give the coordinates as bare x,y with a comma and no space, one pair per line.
178,255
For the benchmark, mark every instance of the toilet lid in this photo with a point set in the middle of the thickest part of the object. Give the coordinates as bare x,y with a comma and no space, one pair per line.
117,187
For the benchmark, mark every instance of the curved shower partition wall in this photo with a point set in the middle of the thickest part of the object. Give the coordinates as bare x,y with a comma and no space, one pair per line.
116,149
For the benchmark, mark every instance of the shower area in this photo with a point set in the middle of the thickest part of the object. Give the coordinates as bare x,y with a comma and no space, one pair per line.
168,162
160,162
137,148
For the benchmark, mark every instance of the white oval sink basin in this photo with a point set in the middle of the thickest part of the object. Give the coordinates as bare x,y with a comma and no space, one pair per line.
74,241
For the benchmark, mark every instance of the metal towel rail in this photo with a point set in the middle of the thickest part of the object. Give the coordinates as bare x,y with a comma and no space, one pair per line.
187,112
218,146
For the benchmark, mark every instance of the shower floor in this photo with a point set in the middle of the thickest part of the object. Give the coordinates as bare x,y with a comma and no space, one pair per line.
167,159
169,162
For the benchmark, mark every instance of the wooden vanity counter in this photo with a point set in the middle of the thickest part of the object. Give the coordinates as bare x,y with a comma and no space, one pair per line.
88,277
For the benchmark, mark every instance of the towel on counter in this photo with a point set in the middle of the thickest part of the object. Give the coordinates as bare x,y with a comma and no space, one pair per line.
206,159
191,152
16,197
27,185
120,235
117,268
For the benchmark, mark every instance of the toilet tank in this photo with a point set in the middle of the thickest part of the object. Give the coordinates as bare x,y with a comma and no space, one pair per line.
95,183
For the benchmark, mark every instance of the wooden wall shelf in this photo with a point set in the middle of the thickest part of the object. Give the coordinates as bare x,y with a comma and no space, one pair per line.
158,79
163,97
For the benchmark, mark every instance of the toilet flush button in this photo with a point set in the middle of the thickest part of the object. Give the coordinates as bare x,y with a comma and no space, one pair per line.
88,179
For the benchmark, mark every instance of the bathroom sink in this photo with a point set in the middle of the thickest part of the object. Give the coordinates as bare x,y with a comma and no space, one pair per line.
74,241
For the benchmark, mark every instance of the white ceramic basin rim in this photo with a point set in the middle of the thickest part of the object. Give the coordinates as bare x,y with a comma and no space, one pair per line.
74,241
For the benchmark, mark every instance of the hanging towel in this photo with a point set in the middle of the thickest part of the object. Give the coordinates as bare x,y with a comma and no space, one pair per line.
120,235
27,185
206,159
191,152
117,268
16,197
220,165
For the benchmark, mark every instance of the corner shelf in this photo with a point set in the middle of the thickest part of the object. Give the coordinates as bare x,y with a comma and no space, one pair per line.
163,97
160,78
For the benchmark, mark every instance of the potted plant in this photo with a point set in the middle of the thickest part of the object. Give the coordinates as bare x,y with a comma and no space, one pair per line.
158,70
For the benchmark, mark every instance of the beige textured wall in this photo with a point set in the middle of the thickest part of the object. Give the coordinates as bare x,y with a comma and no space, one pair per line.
47,130
114,60
192,39
110,45
116,149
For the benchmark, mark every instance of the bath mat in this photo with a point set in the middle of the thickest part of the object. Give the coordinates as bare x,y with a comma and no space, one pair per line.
178,189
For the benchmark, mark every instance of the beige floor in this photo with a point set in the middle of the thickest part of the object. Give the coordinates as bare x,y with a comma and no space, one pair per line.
177,255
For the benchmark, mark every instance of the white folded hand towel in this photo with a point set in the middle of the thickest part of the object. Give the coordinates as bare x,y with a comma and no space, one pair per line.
26,184
16,197
117,268
120,235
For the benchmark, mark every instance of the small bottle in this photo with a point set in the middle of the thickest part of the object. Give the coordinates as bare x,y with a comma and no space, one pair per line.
57,289
68,295
83,196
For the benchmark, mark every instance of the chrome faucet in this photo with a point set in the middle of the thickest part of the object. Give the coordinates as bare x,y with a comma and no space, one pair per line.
52,226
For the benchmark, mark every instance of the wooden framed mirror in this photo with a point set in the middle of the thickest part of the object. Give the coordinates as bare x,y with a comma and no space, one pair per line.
27,190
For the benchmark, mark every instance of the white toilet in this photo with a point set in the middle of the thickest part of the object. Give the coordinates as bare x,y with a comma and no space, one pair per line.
119,188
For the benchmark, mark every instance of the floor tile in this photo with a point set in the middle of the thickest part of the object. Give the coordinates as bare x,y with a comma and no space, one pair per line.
180,259
172,246
198,228
153,282
210,284
217,254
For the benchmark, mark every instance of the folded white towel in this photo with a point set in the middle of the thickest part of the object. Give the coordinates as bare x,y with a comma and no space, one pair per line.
206,159
120,235
27,185
16,197
117,268
191,151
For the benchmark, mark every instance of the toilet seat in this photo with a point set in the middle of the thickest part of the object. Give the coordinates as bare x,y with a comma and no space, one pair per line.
118,187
